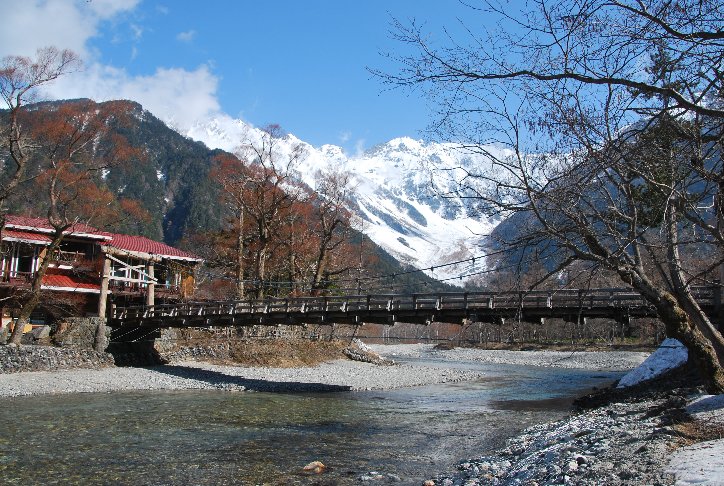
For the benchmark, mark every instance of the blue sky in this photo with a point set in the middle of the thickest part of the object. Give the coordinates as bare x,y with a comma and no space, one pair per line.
301,64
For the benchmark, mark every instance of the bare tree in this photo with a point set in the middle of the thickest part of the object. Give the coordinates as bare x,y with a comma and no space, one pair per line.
333,222
73,147
611,112
272,191
233,178
20,80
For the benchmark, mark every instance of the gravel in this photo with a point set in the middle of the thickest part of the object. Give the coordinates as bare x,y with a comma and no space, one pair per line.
588,360
620,443
338,375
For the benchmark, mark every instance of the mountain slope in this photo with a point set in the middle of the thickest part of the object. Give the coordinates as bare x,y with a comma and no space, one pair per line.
171,182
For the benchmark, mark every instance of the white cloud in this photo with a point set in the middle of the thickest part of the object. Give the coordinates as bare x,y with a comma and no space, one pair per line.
187,36
137,31
345,136
66,24
176,95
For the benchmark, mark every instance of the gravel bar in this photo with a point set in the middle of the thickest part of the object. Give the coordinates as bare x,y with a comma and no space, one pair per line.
338,375
341,375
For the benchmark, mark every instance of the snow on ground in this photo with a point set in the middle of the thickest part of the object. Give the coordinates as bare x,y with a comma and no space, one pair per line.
707,408
701,463
670,354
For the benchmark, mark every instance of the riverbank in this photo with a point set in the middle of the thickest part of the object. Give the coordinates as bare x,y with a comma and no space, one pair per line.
624,443
660,432
585,360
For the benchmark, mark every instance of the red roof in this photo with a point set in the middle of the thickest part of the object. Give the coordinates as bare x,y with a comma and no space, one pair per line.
26,236
142,244
69,282
42,225
36,229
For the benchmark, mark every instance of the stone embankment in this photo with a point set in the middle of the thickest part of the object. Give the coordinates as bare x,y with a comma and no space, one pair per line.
14,359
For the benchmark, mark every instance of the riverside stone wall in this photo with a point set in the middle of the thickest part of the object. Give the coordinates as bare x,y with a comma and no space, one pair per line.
78,332
14,359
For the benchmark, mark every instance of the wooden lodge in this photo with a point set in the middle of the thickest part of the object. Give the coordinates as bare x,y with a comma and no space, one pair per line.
91,269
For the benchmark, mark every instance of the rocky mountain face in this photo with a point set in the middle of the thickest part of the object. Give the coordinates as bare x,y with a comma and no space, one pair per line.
170,180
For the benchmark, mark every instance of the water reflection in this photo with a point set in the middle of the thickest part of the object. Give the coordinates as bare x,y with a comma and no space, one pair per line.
212,437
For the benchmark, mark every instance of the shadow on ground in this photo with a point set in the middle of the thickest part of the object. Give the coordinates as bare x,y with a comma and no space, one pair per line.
218,379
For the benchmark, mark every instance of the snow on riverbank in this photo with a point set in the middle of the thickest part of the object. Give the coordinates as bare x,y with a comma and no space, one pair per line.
701,463
670,355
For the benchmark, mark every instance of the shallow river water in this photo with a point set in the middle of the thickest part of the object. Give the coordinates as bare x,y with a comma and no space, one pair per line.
218,437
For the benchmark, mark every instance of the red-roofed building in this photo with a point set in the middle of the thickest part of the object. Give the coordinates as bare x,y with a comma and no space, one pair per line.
93,266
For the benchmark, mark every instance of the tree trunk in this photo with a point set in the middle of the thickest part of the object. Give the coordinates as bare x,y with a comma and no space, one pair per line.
682,326
24,318
240,258
32,299
260,272
99,340
707,344
320,266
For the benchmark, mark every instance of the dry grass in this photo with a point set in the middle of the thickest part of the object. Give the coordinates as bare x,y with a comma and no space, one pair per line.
276,353
285,353
693,431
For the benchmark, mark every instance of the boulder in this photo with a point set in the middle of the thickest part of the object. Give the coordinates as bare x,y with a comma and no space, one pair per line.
315,467
42,332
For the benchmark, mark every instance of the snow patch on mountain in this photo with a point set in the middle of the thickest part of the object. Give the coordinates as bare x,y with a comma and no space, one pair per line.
398,199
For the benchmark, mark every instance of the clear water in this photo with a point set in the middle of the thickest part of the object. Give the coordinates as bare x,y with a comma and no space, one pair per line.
212,437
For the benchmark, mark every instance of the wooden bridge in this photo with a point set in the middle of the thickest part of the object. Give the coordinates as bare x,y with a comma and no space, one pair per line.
129,323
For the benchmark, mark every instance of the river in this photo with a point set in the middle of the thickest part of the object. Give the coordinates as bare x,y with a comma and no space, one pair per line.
220,437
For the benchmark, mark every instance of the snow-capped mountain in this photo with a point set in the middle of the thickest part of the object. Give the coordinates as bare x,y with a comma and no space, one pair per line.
399,188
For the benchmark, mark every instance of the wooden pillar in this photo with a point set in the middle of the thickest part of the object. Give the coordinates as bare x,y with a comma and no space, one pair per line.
103,299
719,298
151,289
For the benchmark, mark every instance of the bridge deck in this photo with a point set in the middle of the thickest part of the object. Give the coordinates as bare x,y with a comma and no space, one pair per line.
456,307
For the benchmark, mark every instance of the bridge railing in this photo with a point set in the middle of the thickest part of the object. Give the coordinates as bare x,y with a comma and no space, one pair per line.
417,302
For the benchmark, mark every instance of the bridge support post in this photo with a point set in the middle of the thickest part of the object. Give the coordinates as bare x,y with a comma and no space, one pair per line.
151,289
718,291
103,298
624,319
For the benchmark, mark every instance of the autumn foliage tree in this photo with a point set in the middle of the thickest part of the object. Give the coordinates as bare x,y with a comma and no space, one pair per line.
74,146
281,237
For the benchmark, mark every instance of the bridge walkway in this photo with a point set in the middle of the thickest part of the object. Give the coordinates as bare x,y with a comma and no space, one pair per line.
421,308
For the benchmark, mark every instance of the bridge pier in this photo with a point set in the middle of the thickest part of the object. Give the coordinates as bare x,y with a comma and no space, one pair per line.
624,320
